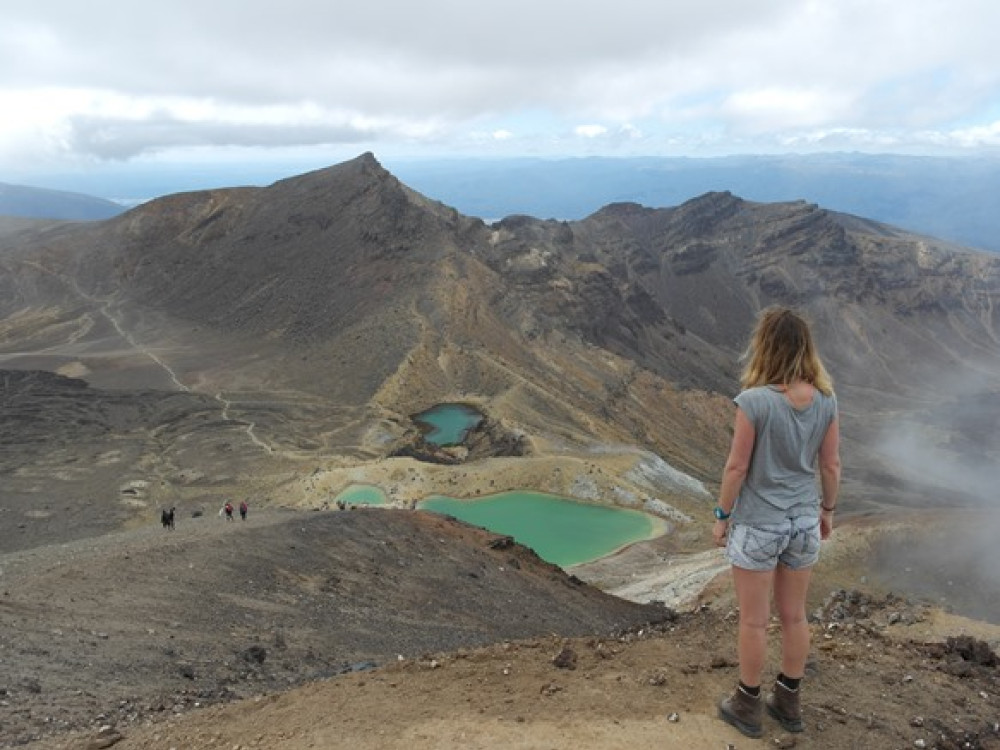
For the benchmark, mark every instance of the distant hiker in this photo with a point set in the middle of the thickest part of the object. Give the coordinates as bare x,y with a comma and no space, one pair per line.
771,514
243,509
228,510
167,518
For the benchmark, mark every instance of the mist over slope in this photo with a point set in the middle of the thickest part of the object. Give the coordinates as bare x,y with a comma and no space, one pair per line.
315,315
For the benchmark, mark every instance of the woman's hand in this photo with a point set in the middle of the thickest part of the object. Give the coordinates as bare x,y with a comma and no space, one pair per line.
825,524
719,531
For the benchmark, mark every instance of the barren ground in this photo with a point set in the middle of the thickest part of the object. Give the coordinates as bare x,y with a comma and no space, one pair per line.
86,645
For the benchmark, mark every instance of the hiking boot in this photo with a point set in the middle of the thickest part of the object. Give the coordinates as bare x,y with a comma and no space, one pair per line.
783,705
743,711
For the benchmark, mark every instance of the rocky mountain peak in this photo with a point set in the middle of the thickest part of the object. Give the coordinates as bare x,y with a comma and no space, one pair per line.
362,169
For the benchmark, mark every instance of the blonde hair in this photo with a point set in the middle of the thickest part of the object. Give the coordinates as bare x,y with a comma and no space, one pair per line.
781,351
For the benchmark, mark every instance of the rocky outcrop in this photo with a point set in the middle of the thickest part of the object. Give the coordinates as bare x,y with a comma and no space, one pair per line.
487,439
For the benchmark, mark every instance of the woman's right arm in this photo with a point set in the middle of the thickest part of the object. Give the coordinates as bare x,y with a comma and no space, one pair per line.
735,472
829,471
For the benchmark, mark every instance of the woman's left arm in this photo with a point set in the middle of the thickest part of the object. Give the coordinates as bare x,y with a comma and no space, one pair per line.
829,470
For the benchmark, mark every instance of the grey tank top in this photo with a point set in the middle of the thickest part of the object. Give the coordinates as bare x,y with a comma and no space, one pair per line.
781,481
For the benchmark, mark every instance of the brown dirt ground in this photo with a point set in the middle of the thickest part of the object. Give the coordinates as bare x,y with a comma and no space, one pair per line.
865,690
879,677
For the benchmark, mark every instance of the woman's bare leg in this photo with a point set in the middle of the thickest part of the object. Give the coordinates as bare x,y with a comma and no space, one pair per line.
790,589
753,594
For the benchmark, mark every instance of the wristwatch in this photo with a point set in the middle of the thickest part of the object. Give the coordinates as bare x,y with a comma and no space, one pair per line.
721,514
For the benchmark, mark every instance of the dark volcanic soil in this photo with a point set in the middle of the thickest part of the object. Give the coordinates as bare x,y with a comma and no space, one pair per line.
135,624
400,629
869,685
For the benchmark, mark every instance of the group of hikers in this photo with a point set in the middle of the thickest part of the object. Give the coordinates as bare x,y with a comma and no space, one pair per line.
227,510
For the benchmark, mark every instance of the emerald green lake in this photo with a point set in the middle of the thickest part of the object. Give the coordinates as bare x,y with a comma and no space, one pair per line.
361,494
448,424
562,531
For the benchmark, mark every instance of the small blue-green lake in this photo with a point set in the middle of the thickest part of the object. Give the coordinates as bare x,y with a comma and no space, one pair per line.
361,494
562,531
448,424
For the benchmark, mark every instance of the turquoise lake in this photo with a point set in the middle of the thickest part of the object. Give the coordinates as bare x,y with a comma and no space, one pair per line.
448,424
561,531
362,494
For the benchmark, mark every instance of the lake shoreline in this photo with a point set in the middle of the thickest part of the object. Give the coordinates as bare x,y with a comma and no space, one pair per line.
523,528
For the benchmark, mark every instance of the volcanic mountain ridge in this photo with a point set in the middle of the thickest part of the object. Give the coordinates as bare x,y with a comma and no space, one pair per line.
273,343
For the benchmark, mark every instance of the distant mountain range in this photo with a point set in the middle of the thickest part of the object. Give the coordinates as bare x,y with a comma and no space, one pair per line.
40,203
949,198
305,321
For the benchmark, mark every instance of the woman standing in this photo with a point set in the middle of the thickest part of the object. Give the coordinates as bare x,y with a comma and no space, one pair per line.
772,513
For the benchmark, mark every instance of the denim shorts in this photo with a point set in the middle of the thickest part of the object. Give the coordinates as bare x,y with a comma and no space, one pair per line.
794,543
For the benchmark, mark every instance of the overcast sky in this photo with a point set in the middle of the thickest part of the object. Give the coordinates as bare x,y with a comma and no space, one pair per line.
104,84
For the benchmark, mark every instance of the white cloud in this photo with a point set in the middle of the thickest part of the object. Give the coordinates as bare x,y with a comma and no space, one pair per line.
590,131
776,110
110,79
979,136
631,131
